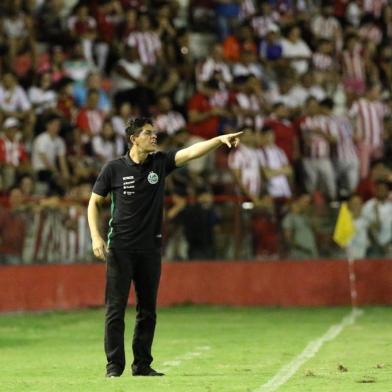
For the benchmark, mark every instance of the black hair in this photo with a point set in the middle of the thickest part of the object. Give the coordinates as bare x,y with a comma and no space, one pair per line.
266,128
327,103
51,117
92,91
135,125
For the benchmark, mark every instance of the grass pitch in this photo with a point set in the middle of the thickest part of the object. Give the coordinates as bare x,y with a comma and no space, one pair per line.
202,349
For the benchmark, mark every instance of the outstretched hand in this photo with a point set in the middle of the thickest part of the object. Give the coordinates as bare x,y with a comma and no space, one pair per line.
231,139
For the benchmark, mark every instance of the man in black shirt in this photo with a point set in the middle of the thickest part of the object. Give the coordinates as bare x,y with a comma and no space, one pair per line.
132,253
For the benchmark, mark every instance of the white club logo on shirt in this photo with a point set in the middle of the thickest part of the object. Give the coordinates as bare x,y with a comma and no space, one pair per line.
152,178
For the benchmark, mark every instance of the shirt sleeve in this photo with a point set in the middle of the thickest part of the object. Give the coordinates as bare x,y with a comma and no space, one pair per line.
103,183
170,161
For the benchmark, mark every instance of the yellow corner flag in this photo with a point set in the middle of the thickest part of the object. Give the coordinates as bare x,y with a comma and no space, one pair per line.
344,228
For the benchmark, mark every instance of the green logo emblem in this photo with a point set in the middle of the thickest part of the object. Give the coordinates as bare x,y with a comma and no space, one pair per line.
152,178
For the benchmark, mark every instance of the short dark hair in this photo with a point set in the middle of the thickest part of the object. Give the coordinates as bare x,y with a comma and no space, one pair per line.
135,125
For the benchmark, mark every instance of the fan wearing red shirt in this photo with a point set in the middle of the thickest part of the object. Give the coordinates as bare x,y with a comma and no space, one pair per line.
90,119
286,136
203,115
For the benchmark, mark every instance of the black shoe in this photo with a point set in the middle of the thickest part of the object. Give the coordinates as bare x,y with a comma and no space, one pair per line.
146,372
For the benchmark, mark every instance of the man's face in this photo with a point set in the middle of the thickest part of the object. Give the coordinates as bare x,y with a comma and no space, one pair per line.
146,140
53,127
93,100
382,191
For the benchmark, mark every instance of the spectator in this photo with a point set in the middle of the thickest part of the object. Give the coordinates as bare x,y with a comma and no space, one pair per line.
107,14
245,164
214,67
378,213
167,119
19,31
369,113
319,135
247,104
93,81
270,48
129,83
119,121
205,109
107,145
353,64
296,50
82,26
298,231
66,105
236,44
346,159
286,136
42,95
49,157
13,225
13,154
359,244
13,99
275,166
51,23
146,41
90,119
227,15
265,21
77,66
326,26
200,213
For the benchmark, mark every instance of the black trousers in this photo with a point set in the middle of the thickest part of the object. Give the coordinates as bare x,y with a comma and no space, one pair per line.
144,269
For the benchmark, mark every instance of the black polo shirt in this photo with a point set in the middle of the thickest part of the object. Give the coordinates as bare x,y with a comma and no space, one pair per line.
137,193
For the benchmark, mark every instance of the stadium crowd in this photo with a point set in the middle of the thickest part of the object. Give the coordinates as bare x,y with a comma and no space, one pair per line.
308,81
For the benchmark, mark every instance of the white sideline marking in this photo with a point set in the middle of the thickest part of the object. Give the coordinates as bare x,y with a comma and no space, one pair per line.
287,371
177,361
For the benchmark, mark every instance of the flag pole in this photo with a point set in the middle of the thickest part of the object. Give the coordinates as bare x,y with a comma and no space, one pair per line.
352,279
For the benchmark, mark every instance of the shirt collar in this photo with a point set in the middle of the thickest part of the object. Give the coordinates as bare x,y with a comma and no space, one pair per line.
130,162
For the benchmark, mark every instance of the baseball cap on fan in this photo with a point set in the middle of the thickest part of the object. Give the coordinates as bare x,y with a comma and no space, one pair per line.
11,122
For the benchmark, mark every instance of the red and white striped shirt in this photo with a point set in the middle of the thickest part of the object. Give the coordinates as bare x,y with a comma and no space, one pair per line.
374,7
315,145
247,161
369,117
206,70
326,28
148,44
273,157
247,9
345,148
353,65
11,152
169,122
322,62
252,103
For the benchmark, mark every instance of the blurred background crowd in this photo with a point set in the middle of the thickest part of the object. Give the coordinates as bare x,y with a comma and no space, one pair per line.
308,81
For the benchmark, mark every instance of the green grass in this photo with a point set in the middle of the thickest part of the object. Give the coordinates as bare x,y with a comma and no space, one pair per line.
63,351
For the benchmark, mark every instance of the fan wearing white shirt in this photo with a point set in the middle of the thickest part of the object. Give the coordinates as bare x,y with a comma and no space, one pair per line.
296,50
107,145
14,101
378,213
275,166
49,157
